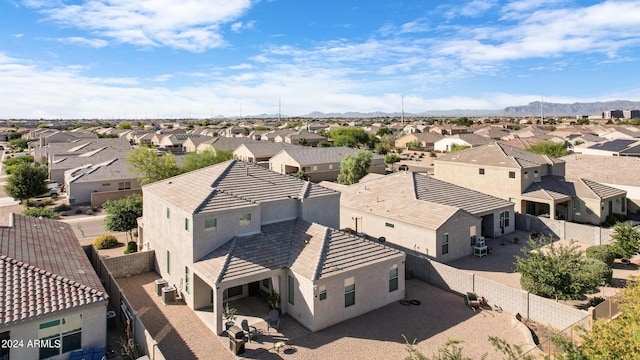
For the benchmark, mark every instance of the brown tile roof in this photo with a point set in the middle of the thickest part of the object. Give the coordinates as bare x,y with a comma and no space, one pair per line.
231,184
620,170
555,188
43,269
309,249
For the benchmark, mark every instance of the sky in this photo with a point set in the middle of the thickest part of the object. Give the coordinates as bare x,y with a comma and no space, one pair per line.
146,59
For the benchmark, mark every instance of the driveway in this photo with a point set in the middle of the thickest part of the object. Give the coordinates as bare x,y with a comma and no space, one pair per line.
376,335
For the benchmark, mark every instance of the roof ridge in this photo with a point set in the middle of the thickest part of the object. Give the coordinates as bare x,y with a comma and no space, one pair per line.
323,253
227,260
588,185
49,274
304,191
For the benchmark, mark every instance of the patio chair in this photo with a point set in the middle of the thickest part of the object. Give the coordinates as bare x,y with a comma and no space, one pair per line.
274,320
251,332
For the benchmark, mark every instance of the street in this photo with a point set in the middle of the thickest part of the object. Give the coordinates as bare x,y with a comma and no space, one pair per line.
87,227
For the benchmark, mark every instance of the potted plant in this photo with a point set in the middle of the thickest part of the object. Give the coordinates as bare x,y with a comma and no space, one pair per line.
229,314
273,299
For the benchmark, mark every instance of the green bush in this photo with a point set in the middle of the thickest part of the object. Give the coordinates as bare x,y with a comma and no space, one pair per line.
78,211
595,272
41,212
9,169
613,219
603,253
25,159
89,212
132,247
42,202
105,241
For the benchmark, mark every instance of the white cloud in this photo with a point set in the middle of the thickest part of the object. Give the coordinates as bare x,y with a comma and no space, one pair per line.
95,43
192,25
239,26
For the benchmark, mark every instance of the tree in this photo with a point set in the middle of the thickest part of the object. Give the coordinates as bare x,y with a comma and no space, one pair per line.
354,168
303,142
384,131
415,144
625,240
194,161
549,148
391,159
350,137
27,181
301,175
124,126
558,272
19,144
123,214
150,167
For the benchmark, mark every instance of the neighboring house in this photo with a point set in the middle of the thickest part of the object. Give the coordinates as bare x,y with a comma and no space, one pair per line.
469,140
319,163
619,147
273,134
242,229
49,290
301,136
97,183
493,132
62,163
52,152
223,143
139,136
174,142
259,152
420,214
620,172
449,129
427,140
535,183
522,142
620,132
192,142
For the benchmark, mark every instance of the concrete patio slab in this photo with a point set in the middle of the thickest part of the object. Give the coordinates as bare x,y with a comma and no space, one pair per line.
441,316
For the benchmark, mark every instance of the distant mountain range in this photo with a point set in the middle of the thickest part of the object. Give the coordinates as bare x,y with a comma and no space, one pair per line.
532,109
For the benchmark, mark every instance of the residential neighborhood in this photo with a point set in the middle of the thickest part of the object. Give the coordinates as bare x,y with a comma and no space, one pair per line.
286,236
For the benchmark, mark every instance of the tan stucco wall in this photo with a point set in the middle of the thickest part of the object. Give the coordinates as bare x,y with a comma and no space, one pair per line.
94,330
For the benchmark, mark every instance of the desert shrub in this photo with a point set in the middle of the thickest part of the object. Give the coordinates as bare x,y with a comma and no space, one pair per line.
9,169
44,202
89,212
41,212
134,233
61,208
613,219
105,241
603,253
132,247
78,211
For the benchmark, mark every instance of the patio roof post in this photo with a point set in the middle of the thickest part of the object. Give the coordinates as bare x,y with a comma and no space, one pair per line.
217,307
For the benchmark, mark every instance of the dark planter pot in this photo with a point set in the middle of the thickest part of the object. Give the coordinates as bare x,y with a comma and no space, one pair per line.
228,325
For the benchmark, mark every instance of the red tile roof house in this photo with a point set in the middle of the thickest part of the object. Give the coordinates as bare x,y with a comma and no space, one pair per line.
234,229
48,291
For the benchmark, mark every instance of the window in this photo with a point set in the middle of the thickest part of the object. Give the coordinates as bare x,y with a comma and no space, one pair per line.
512,174
245,219
266,283
168,214
576,206
513,200
623,205
535,173
315,167
389,225
186,224
349,291
210,224
526,174
481,171
187,280
106,184
168,262
291,290
330,166
393,278
60,336
322,292
445,243
504,219
234,291
125,185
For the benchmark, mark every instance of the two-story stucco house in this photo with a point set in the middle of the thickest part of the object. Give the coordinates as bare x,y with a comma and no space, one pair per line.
535,183
235,229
